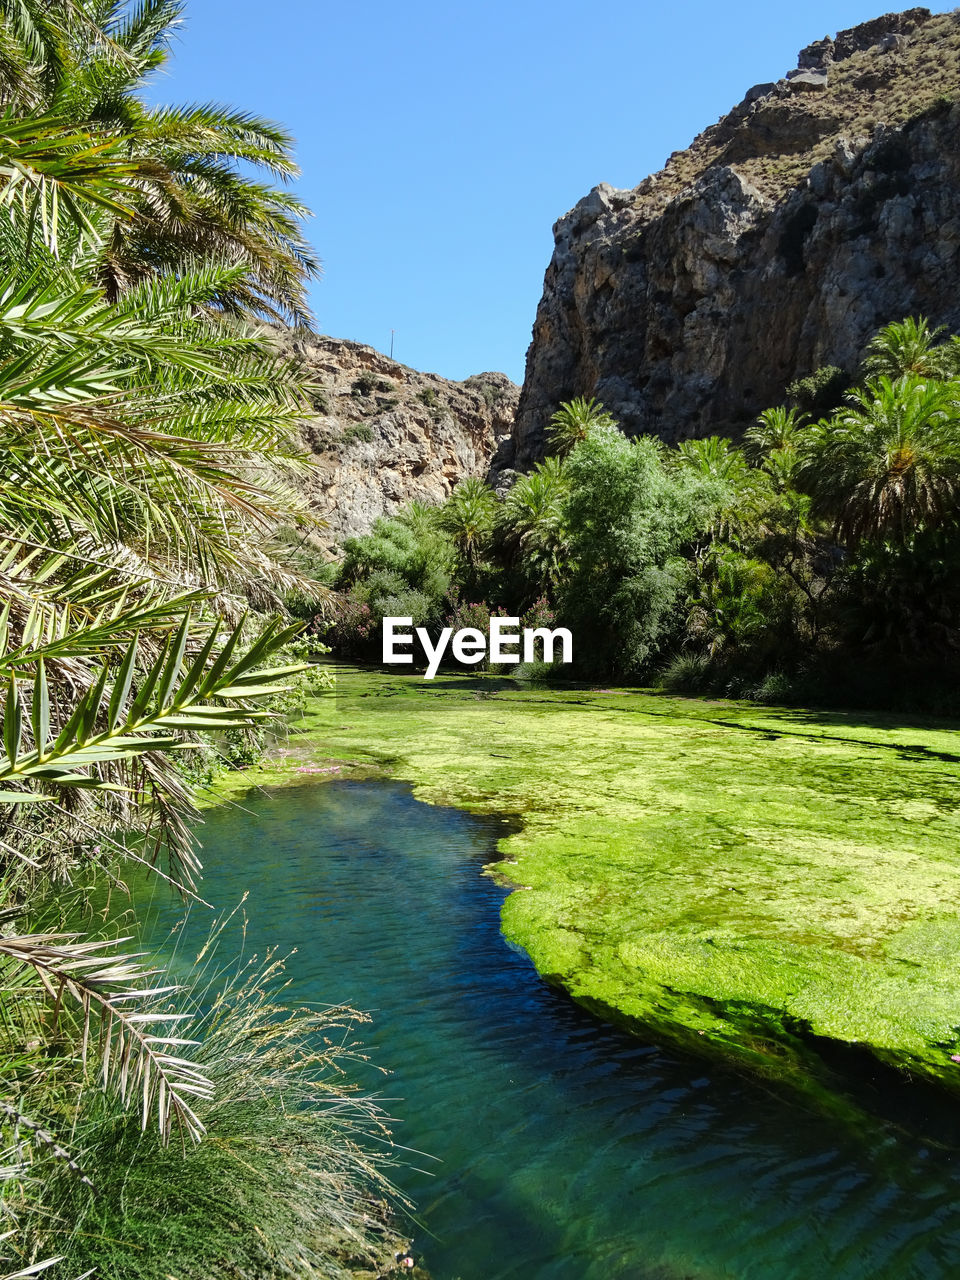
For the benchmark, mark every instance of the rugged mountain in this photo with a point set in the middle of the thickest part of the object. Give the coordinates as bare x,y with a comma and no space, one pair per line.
823,205
385,434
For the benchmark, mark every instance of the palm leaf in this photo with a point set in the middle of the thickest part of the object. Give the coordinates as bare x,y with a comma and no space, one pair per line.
122,1013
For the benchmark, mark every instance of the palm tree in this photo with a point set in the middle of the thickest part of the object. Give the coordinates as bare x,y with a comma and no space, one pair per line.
713,458
147,443
145,453
904,347
737,603
573,421
774,429
533,525
194,199
741,491
889,465
467,516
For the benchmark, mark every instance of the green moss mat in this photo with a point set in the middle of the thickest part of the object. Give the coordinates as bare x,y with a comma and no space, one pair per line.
736,879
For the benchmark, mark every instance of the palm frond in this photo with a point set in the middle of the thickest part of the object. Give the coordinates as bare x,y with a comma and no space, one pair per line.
125,1017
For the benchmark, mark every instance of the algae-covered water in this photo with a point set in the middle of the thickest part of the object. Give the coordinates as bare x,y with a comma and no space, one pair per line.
755,883
558,1147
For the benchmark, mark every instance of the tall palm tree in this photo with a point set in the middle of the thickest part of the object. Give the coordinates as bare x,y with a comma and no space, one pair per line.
468,516
904,347
889,464
532,522
573,421
146,445
193,199
144,449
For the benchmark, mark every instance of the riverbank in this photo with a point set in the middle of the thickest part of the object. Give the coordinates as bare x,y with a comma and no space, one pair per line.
745,882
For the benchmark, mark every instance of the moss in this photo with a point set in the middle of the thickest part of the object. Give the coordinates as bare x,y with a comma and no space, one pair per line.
741,880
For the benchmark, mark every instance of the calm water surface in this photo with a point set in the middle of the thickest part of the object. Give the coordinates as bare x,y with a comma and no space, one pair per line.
561,1148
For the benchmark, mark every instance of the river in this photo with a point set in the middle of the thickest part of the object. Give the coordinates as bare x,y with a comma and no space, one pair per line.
554,1147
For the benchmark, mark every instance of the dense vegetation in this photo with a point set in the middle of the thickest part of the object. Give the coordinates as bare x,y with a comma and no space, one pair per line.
819,558
149,440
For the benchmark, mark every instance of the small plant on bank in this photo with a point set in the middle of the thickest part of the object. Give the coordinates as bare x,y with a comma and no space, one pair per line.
686,673
290,1178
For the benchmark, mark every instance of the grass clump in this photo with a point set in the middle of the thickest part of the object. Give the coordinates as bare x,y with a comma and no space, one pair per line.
288,1181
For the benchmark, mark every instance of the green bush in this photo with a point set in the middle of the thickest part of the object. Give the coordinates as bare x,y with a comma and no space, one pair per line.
778,687
629,518
686,673
287,1181
360,432
401,568
367,383
820,392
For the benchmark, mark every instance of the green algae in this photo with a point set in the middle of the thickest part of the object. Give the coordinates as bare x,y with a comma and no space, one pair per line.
743,881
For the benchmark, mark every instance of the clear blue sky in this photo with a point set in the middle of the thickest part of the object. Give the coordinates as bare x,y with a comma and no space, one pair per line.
439,142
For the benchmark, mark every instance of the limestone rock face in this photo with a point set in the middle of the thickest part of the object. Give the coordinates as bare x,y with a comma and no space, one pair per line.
822,206
385,434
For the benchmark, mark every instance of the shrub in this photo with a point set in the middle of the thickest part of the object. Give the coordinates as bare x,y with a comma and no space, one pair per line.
358,432
412,548
367,383
491,394
776,687
534,672
820,392
285,1182
686,673
629,517
401,568
352,631
461,614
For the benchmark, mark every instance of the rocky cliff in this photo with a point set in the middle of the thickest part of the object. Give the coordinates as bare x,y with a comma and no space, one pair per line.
385,434
825,204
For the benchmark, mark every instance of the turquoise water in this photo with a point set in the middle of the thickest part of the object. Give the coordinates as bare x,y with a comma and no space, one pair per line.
559,1148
